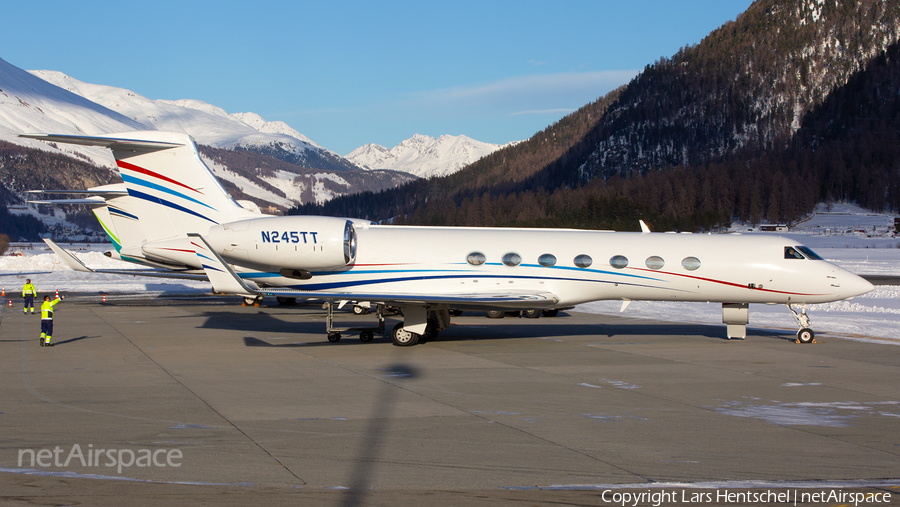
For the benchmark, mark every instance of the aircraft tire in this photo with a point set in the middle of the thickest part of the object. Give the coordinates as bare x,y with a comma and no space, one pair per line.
532,314
360,310
495,314
550,313
403,338
431,332
286,301
806,335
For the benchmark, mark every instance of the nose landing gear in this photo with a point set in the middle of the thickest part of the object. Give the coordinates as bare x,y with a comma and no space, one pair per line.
805,334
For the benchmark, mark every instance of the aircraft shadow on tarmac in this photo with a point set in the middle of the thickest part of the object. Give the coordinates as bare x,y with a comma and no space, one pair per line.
470,330
260,322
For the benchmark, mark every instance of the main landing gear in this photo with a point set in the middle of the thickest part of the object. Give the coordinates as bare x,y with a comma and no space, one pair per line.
420,325
805,334
252,301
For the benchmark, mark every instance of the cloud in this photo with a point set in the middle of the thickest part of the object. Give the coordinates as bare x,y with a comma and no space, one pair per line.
559,110
537,92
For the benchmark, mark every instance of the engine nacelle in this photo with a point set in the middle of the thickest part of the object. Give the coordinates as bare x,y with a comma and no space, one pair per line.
287,243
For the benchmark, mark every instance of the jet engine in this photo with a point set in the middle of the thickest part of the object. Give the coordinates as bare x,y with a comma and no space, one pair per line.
292,245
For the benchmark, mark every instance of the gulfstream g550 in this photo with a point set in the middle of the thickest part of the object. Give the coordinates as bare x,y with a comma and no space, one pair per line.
173,213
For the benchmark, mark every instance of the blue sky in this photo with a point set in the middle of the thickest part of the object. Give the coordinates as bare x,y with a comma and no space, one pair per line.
350,73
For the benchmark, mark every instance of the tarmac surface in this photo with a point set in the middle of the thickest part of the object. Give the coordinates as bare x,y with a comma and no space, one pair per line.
237,405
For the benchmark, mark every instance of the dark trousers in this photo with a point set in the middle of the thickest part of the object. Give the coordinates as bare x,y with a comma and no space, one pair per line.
29,302
47,327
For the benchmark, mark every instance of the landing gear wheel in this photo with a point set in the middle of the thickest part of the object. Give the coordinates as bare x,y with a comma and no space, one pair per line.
806,335
249,301
360,310
366,336
402,337
431,332
283,300
550,313
334,337
495,314
532,314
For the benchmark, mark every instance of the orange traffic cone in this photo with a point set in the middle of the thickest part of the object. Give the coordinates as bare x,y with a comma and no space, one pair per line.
104,298
10,303
3,293
57,293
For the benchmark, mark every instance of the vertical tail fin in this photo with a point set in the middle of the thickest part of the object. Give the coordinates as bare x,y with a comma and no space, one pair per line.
171,190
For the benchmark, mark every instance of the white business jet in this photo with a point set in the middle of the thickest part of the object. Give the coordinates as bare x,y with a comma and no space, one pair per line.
176,213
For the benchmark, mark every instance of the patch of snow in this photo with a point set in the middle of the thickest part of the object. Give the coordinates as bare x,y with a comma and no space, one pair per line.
424,156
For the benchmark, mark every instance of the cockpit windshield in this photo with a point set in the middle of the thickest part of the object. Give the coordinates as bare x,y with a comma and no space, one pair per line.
790,253
809,253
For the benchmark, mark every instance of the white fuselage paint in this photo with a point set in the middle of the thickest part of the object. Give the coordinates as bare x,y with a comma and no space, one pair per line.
432,260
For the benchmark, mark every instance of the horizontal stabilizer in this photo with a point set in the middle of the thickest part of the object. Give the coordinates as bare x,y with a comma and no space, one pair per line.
95,201
111,142
105,194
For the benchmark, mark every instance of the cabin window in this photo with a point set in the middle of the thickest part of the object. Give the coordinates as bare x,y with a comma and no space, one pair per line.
655,262
618,261
475,258
690,263
790,253
809,253
583,261
547,260
512,259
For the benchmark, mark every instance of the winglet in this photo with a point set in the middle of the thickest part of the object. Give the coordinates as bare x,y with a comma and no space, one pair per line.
220,274
67,257
644,228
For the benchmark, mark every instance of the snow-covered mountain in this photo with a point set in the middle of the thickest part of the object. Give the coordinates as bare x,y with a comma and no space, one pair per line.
52,102
209,124
46,101
423,156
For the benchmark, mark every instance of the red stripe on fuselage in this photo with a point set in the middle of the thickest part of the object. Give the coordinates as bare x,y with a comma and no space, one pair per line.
722,282
132,167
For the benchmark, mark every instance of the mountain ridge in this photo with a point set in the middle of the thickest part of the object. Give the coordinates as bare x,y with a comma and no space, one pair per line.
424,156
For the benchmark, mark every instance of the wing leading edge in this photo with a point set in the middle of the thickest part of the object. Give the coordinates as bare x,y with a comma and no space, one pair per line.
75,264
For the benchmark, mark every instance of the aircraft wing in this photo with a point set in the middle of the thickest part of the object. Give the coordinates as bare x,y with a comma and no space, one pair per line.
224,279
75,264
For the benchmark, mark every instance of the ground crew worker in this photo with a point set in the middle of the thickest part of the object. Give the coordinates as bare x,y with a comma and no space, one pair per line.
47,320
29,293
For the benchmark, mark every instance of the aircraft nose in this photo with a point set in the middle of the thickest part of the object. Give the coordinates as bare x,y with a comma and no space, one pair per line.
854,285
